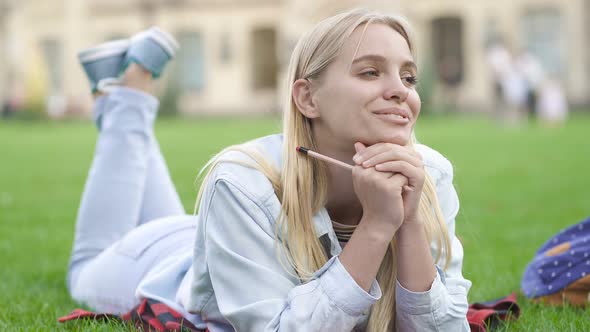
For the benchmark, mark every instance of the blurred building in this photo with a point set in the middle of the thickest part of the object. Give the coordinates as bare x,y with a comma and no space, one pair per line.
234,52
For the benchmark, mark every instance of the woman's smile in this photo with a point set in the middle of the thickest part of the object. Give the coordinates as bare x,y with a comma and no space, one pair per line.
396,116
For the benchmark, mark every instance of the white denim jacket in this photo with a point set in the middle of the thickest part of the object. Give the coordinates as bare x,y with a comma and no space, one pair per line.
235,281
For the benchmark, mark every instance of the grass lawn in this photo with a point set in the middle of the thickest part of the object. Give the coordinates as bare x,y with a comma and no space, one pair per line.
517,187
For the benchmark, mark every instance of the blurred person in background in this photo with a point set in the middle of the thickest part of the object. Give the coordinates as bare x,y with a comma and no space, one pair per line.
281,241
552,107
499,61
510,84
515,90
534,75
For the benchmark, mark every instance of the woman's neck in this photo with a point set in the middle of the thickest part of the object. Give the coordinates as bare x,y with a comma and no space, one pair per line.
343,206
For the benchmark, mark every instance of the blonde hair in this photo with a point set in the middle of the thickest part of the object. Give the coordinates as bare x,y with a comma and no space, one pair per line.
301,186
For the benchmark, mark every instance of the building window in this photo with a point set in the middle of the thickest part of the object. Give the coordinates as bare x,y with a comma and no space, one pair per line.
542,35
265,64
491,32
52,53
447,46
190,62
225,49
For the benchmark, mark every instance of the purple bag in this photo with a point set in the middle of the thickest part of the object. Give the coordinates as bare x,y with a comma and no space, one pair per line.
560,271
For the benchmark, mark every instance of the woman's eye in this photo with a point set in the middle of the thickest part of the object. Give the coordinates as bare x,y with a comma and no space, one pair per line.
372,73
411,80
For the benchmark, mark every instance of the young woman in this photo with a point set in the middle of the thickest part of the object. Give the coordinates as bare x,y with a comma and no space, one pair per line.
284,242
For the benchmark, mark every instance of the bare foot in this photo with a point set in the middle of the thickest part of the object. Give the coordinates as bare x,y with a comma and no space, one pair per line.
137,77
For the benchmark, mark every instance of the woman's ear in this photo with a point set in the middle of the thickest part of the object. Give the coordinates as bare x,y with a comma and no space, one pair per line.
303,98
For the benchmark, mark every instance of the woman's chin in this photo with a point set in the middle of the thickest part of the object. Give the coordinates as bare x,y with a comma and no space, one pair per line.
399,139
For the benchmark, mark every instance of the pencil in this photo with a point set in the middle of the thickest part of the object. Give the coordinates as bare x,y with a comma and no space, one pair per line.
332,161
320,156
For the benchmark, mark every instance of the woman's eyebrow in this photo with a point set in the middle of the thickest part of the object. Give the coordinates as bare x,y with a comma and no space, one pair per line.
380,59
370,57
410,64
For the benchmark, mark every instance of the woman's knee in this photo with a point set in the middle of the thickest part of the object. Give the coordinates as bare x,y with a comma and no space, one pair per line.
103,284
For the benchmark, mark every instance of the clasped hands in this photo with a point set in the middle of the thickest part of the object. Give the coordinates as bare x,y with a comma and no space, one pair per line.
380,174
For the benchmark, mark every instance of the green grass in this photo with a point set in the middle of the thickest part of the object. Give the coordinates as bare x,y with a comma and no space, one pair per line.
517,187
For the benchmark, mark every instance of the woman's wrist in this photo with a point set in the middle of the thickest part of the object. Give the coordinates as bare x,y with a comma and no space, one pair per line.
379,230
364,252
416,269
412,225
408,232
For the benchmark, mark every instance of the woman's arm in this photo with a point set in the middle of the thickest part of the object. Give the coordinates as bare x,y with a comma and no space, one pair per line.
426,298
252,290
381,196
443,307
415,265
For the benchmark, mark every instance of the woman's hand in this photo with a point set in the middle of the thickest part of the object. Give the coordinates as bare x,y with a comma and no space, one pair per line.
395,161
380,194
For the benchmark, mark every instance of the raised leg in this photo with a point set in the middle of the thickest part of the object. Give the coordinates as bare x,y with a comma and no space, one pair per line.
112,200
160,198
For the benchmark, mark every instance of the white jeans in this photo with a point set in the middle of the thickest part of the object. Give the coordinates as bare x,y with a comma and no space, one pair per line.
130,215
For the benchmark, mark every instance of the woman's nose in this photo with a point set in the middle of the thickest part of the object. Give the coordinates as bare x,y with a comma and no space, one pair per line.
396,89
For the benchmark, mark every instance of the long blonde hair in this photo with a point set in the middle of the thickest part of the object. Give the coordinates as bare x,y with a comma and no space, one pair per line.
301,185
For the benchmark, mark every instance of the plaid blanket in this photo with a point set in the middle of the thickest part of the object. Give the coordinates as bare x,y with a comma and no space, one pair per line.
152,315
489,314
149,315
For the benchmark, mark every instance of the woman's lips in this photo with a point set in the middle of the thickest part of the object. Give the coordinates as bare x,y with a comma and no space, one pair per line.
393,118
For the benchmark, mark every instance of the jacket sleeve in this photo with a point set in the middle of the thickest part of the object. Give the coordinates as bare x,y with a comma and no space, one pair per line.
252,289
444,306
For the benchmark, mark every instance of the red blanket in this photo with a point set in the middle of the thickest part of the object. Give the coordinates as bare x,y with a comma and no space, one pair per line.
151,315
489,314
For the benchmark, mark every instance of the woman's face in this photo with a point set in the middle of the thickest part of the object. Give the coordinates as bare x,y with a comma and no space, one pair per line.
372,97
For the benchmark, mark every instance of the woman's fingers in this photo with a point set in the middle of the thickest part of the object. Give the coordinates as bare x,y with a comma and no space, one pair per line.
381,196
399,180
371,174
396,160
392,155
382,152
414,175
